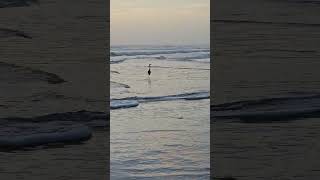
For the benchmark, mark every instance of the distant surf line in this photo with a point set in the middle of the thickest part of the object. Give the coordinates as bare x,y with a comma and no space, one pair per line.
207,69
157,52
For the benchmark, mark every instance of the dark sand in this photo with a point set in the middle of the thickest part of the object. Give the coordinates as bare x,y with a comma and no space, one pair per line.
264,48
53,59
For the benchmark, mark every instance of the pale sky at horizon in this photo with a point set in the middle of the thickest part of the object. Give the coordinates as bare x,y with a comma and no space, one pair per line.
160,22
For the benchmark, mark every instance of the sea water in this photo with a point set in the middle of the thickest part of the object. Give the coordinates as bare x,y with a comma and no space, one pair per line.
160,123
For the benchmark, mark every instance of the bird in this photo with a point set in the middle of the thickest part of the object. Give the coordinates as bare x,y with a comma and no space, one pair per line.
149,71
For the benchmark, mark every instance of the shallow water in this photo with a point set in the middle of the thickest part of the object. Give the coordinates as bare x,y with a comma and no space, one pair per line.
166,134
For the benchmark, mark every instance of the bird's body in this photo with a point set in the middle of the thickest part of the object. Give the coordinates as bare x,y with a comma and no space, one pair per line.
149,71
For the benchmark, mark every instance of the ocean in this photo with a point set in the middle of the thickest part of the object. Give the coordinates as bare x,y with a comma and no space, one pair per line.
160,124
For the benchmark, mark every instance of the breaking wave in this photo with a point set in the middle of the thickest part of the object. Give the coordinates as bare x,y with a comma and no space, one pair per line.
187,54
134,101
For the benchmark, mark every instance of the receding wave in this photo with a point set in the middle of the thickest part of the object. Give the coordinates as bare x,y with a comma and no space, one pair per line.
160,130
117,84
118,88
114,72
270,109
118,103
171,173
17,132
134,101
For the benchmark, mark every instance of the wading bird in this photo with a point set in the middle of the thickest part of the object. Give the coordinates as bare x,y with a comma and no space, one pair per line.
149,71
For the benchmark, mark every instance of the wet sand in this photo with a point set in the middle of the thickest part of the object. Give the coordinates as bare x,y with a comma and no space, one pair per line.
264,49
53,60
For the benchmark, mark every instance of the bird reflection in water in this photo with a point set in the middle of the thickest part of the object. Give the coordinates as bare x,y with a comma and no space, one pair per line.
149,83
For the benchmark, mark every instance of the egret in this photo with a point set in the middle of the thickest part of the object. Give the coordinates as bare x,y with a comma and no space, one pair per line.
149,71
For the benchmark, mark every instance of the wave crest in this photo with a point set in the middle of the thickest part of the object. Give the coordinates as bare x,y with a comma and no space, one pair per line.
134,101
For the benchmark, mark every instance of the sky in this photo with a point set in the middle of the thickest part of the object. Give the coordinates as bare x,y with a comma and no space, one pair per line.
160,22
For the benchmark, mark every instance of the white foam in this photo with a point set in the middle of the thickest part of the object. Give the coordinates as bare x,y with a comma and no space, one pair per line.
173,53
137,52
117,104
134,101
183,96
